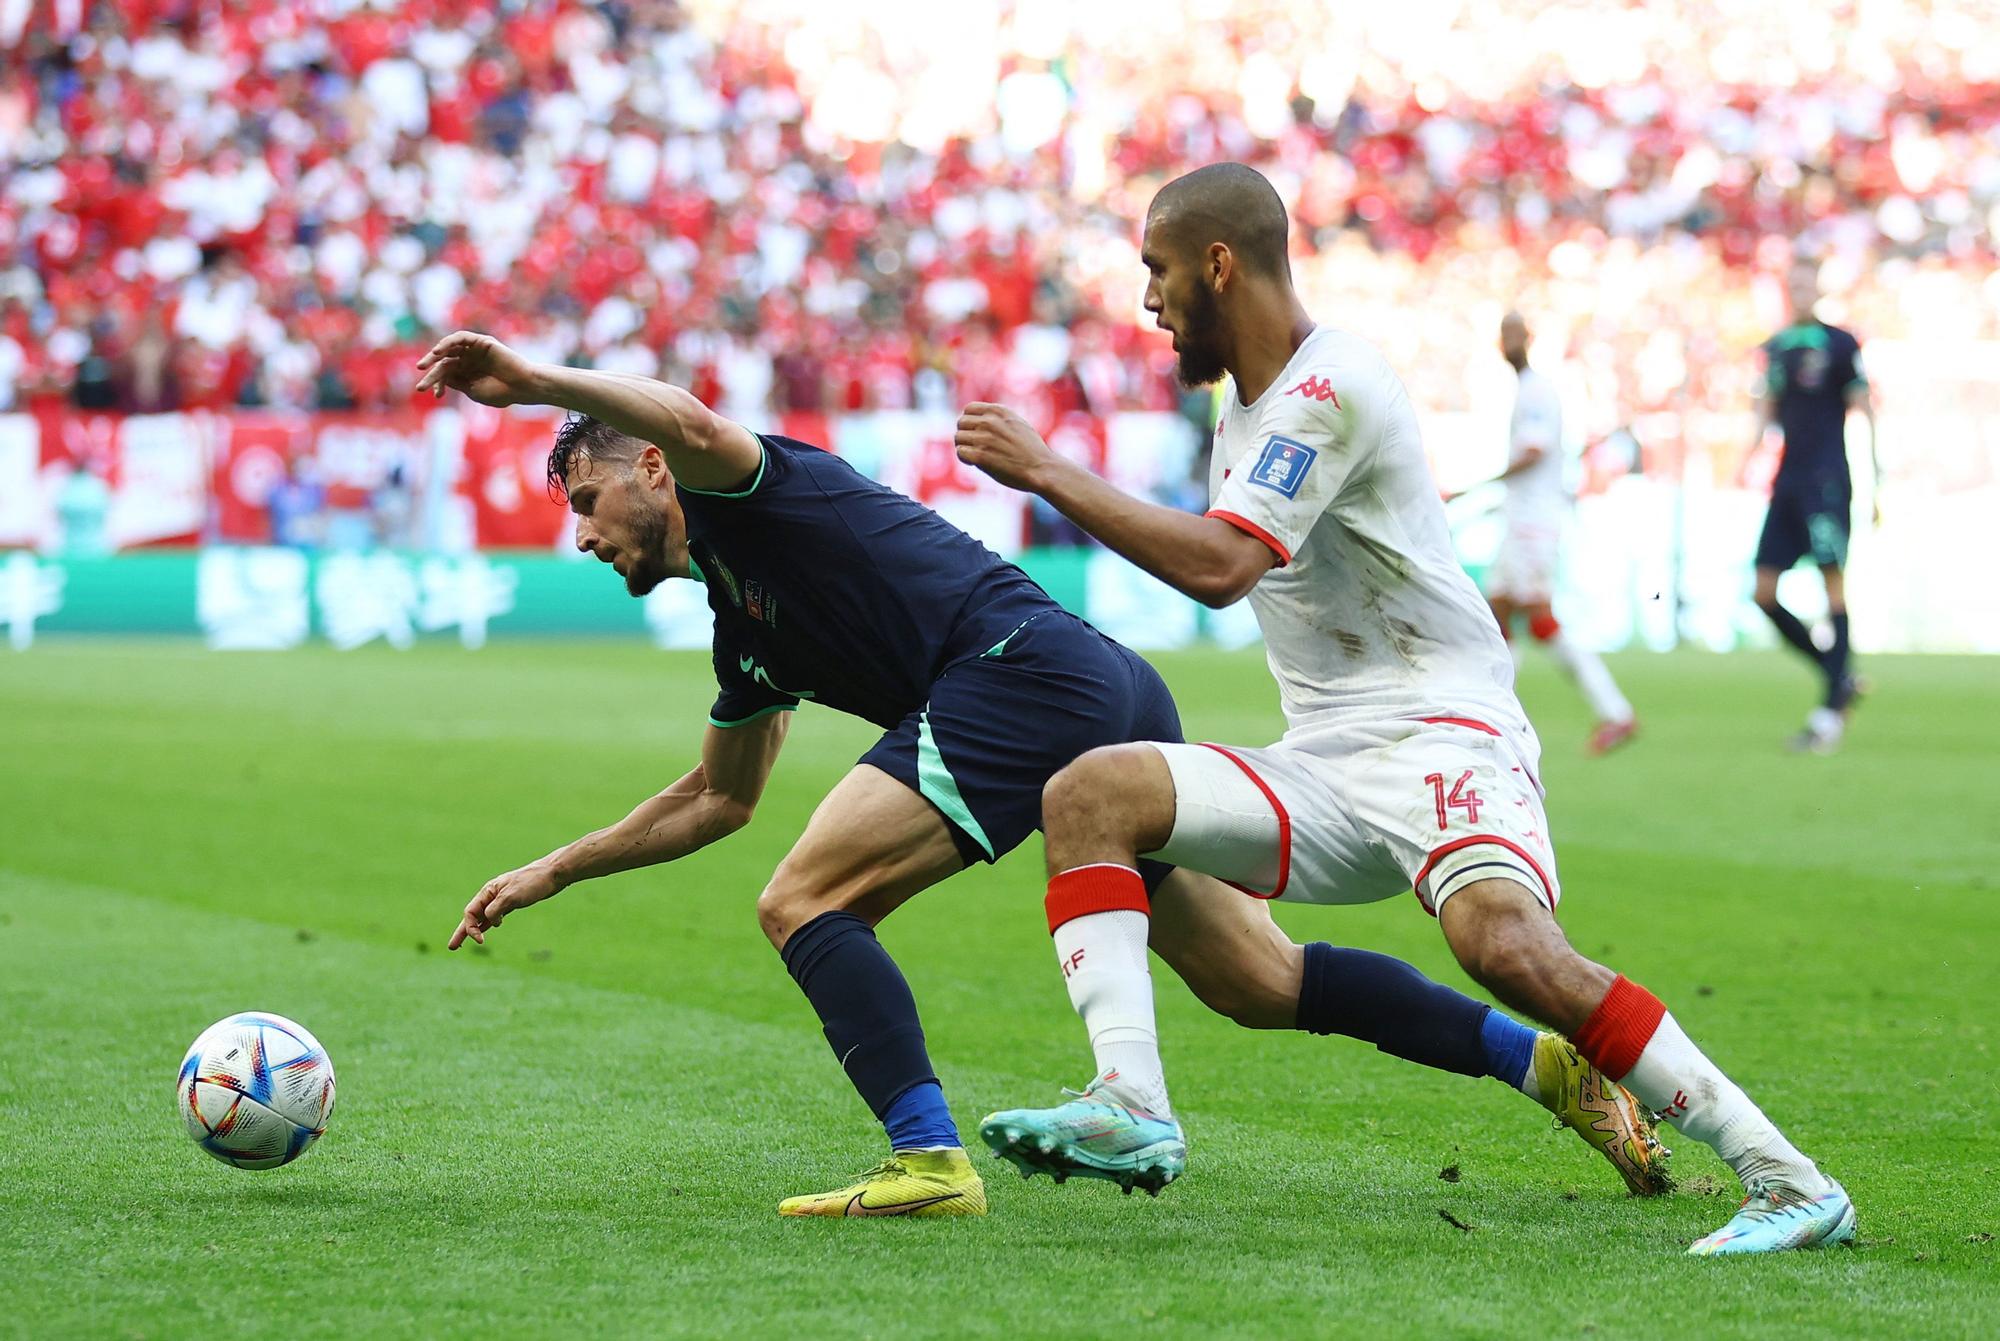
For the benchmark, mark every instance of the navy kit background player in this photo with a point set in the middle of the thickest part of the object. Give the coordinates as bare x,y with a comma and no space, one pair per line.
829,587
1812,379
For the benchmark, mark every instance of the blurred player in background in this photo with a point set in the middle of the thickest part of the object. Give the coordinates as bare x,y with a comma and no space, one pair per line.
1407,763
1522,582
1812,378
828,586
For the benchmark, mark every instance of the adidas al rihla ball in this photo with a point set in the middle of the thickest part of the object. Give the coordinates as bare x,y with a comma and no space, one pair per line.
256,1090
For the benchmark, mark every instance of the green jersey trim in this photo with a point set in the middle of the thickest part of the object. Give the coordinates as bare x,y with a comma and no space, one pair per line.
1805,335
763,460
936,784
1000,648
713,720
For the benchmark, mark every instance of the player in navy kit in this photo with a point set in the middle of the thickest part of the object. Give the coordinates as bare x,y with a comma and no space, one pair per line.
1812,380
827,587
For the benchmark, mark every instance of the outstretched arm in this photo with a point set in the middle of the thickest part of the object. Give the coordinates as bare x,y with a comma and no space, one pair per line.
713,801
1204,557
1527,457
703,449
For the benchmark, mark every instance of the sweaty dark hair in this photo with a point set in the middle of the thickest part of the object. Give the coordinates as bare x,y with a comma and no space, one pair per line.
583,438
1233,204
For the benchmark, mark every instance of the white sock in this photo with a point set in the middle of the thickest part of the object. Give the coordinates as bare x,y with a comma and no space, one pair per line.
1585,667
1103,959
1674,1079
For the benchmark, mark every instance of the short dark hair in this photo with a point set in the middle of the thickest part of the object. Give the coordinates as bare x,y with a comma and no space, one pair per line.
1233,204
583,438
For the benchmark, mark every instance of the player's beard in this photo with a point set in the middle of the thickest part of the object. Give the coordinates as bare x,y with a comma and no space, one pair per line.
1201,348
648,550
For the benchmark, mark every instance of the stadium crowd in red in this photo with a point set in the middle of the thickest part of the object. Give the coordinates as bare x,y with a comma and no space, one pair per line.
251,202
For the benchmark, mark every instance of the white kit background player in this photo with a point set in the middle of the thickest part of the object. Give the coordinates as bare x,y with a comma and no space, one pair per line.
1407,762
1534,511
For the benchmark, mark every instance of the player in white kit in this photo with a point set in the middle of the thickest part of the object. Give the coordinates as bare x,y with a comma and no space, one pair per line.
1407,764
1522,582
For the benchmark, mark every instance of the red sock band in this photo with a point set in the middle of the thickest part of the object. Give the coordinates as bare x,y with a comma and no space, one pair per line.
1544,627
1099,888
1620,1028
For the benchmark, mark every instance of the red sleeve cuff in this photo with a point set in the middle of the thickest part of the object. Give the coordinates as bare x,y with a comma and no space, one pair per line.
1250,528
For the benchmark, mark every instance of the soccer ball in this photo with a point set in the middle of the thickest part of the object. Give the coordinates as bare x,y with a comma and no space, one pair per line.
255,1090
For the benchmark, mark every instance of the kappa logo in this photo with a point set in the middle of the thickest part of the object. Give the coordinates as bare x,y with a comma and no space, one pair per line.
1316,388
1282,465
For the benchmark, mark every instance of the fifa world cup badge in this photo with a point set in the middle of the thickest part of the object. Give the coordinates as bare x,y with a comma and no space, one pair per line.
1282,465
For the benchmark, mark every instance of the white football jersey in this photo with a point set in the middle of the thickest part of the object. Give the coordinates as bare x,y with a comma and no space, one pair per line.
1539,495
1369,614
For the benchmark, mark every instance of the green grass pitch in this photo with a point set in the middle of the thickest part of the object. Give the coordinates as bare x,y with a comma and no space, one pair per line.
585,1130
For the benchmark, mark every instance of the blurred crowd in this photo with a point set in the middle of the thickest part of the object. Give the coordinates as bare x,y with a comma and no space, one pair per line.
789,207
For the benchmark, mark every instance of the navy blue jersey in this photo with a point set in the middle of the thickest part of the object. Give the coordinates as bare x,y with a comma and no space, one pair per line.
1809,368
829,587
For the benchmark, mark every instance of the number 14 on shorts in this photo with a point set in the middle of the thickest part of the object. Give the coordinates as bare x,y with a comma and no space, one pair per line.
1460,797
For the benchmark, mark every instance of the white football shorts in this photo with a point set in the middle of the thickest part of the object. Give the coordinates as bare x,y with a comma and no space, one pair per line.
1524,571
1360,813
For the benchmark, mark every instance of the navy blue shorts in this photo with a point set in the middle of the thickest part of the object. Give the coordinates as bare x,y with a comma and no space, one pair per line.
999,726
1807,517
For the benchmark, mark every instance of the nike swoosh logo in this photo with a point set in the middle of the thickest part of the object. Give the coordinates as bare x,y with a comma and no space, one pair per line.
855,1206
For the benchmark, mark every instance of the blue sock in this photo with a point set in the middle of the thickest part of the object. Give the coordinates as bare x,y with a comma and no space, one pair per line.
919,1120
1509,1046
1382,1000
870,1019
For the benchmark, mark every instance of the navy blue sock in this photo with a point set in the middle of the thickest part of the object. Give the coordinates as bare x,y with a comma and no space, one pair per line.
1836,661
919,1119
1384,1001
869,1016
1509,1047
1793,630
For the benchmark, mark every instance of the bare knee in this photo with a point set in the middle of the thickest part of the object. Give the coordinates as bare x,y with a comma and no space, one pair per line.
1766,593
1115,795
1097,778
1076,783
786,905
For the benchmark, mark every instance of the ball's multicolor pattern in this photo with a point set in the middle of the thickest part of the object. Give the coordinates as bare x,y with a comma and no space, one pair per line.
256,1090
